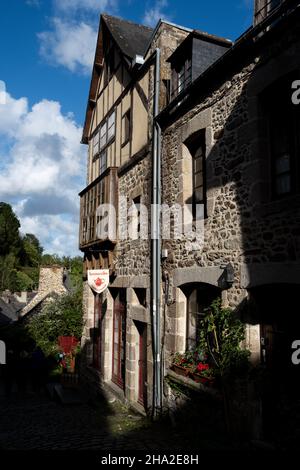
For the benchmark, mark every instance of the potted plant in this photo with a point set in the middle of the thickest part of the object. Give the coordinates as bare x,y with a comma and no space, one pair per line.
203,373
193,364
181,364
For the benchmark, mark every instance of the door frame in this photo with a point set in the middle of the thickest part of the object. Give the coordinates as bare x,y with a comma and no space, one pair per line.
119,311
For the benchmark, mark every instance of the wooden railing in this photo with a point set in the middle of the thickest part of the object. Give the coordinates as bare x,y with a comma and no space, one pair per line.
104,190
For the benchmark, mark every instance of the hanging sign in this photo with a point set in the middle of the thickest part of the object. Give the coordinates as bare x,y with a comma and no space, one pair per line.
98,279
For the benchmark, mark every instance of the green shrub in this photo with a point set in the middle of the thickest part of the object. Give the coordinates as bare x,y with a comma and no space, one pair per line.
62,316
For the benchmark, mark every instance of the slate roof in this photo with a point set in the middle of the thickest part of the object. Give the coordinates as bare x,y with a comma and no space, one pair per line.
7,313
132,38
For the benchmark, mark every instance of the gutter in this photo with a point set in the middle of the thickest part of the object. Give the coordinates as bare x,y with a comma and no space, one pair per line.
156,245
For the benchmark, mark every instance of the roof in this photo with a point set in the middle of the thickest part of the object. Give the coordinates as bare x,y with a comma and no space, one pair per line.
132,38
212,38
7,313
220,41
36,301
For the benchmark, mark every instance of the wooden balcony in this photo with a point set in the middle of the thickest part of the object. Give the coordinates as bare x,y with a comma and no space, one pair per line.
104,190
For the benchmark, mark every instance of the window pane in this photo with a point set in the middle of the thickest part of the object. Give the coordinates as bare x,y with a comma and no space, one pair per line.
199,195
283,164
283,184
111,126
198,165
96,143
103,135
198,180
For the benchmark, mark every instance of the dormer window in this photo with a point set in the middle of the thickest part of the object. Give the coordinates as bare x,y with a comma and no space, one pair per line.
181,77
195,54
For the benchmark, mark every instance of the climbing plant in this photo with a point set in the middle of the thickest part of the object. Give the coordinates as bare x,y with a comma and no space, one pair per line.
221,335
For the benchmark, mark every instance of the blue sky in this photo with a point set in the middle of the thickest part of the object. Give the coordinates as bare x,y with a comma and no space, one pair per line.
47,48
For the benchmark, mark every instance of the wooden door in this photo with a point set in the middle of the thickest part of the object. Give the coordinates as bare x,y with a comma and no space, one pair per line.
119,339
142,392
97,331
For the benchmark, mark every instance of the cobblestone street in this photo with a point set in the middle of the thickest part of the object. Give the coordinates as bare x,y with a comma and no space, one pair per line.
37,422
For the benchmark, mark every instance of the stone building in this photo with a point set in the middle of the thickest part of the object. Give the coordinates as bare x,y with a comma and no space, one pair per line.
226,128
52,283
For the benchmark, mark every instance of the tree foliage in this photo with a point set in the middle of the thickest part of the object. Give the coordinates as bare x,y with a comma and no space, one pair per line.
22,255
31,251
9,230
62,316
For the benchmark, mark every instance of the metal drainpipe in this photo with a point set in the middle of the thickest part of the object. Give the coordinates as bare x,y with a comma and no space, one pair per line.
156,243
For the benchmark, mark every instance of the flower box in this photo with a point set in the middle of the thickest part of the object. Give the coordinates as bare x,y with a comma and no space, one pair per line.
180,370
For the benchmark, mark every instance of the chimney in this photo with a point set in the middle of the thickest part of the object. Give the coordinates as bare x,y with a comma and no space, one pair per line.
21,297
51,279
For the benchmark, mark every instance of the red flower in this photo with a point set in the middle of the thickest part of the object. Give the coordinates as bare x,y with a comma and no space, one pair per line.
201,367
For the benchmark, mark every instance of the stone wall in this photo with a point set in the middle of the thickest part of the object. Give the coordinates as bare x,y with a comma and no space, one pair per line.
244,226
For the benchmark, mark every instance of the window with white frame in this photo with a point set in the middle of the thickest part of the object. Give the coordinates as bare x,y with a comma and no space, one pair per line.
96,143
103,135
111,126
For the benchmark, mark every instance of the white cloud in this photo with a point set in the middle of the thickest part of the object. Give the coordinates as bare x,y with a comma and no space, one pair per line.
63,237
155,13
71,39
93,5
69,44
42,170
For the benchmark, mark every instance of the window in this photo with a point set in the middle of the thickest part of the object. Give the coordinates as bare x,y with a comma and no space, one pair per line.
102,162
111,126
181,77
197,148
198,178
101,139
96,144
199,298
284,139
126,127
103,135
